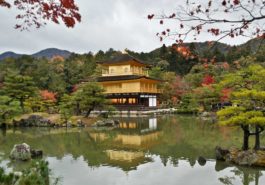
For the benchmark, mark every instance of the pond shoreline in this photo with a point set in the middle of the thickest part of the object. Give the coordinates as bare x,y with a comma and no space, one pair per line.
55,120
170,144
251,158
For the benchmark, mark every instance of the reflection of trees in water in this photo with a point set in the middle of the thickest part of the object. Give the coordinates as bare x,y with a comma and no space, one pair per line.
180,138
187,138
246,174
3,132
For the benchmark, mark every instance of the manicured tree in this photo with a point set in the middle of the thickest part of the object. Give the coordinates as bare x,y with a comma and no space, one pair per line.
206,96
66,107
90,96
34,103
18,88
188,104
240,116
8,109
248,95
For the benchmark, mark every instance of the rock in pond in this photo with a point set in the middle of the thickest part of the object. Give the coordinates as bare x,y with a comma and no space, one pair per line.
106,123
202,161
36,153
241,157
34,120
221,154
23,152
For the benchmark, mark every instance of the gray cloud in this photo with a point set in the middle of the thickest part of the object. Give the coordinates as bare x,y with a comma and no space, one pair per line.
118,24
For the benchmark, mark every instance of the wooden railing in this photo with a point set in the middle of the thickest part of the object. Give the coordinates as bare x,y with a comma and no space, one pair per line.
133,107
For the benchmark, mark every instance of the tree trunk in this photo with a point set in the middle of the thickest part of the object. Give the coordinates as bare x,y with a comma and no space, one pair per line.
246,137
88,112
245,178
78,111
257,175
3,125
3,131
21,101
90,109
257,138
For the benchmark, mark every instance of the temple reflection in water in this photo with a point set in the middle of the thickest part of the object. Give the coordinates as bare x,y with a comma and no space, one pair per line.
154,148
128,140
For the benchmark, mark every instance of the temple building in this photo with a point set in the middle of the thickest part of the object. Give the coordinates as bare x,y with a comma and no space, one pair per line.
127,83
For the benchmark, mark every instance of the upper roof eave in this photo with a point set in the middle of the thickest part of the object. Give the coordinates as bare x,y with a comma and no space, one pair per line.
122,59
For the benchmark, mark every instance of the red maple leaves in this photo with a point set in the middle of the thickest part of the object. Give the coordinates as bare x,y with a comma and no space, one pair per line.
214,31
208,80
37,12
151,16
236,2
4,4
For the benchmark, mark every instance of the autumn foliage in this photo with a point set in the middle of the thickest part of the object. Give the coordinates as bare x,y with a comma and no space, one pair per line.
184,51
208,80
49,96
225,94
38,12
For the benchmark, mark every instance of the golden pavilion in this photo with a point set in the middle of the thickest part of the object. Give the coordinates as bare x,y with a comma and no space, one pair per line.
127,83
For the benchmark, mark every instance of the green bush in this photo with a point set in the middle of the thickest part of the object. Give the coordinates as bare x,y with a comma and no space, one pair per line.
37,174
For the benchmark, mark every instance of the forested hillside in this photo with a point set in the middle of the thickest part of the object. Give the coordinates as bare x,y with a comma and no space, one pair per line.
189,71
180,59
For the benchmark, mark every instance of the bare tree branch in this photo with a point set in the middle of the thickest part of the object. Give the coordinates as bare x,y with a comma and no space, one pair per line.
226,18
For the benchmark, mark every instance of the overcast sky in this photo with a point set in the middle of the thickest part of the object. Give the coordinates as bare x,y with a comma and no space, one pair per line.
117,24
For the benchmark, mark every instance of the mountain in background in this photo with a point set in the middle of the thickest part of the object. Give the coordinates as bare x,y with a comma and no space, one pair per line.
202,49
46,53
51,52
9,54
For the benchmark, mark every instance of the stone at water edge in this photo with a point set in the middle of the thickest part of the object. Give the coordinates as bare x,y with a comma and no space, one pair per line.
106,123
21,152
201,160
36,153
241,157
221,154
246,158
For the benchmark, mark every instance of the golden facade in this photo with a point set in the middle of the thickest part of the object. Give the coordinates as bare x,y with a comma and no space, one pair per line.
127,83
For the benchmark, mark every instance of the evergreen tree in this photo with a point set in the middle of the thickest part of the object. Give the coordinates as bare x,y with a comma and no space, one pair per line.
89,97
8,109
248,98
18,88
66,107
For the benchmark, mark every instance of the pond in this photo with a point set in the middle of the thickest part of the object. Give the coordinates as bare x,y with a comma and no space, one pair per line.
140,151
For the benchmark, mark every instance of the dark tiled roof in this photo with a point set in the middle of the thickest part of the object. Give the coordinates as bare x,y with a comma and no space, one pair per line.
123,77
122,58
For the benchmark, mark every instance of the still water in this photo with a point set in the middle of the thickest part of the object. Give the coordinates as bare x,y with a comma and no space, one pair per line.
140,151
